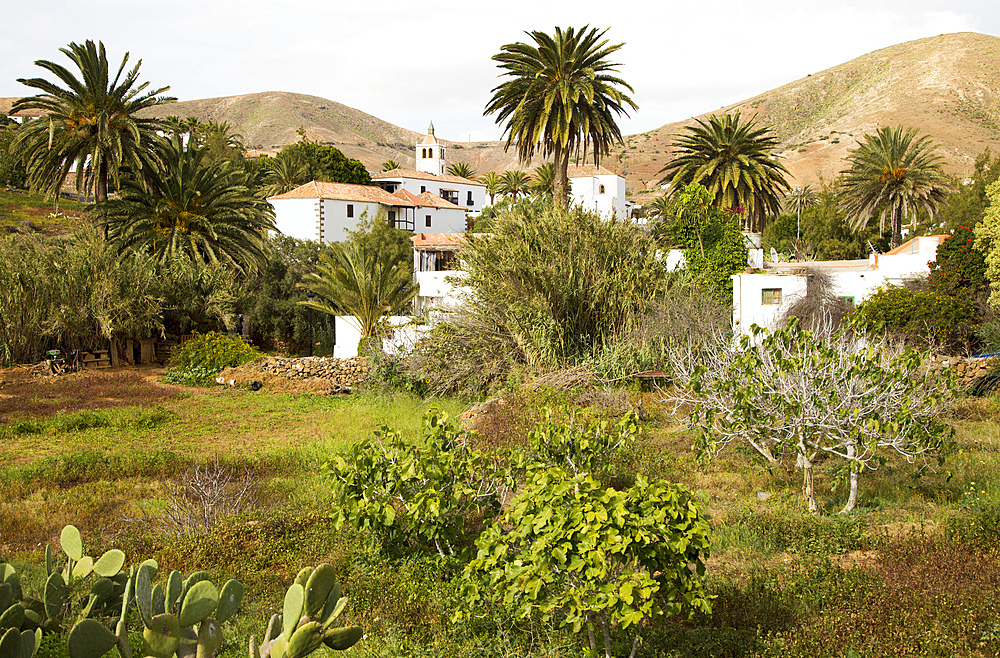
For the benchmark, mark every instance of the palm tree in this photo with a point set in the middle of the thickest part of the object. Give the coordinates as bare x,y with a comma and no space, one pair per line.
562,97
660,208
91,123
542,180
283,174
513,183
800,198
220,139
462,169
494,185
736,161
389,165
195,209
366,283
892,174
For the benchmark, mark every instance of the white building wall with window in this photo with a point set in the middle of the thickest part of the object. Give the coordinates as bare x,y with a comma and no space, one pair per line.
339,217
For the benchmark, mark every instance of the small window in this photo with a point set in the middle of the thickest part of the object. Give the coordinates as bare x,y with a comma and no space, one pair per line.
423,188
350,210
427,221
770,296
468,200
848,300
600,190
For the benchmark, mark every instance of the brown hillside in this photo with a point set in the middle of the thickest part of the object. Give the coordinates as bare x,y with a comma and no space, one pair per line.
947,86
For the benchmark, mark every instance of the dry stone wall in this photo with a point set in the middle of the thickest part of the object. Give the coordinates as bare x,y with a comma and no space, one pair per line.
967,369
340,371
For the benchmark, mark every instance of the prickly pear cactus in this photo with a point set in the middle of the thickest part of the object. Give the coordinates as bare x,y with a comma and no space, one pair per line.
312,605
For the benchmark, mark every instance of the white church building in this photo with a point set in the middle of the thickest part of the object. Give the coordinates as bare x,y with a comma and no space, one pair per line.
599,190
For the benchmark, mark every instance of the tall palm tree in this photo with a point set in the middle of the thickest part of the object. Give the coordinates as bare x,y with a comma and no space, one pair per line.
494,185
462,169
363,282
220,140
195,208
514,183
892,174
283,174
562,97
389,165
736,161
91,122
542,180
800,198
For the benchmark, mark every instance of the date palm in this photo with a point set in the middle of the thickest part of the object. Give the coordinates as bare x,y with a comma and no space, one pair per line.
462,169
90,121
892,174
389,165
797,200
736,161
562,97
514,183
494,185
195,208
283,173
542,180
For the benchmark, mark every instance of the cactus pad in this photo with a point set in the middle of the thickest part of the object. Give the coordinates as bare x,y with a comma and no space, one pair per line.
199,603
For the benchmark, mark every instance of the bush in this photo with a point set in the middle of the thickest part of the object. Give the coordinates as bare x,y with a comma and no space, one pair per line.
198,361
921,318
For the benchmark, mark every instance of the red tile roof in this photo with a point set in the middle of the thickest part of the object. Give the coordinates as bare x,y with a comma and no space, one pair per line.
422,175
431,200
580,171
344,192
453,240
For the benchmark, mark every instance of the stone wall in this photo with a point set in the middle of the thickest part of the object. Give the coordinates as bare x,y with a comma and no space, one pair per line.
346,372
967,369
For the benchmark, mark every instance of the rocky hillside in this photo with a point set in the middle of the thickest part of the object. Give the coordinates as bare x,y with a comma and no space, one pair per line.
947,86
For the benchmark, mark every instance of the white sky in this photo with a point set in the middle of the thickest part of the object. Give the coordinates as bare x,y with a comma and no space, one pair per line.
410,62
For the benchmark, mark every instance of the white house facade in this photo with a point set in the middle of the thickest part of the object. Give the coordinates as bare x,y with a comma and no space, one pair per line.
762,298
598,189
325,212
435,270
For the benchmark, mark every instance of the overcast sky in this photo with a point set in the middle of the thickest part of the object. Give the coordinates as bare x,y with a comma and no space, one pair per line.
412,62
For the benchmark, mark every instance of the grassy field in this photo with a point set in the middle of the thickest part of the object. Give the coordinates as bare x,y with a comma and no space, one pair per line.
20,210
914,571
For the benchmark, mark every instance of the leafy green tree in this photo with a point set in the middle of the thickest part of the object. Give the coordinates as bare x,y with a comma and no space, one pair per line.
562,96
967,201
827,234
988,241
588,557
493,183
736,161
92,122
923,318
357,278
326,163
197,209
892,174
850,397
959,267
462,169
198,296
12,171
514,183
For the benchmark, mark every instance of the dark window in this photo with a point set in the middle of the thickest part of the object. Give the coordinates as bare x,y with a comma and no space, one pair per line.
427,221
350,210
468,201
601,190
423,188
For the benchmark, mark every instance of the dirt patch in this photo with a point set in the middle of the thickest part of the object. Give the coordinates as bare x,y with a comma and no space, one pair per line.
23,394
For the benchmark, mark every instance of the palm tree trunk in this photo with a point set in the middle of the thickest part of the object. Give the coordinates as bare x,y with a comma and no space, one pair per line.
897,227
560,181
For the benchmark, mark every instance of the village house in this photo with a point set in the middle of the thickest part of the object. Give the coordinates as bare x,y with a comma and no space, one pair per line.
763,297
435,268
598,190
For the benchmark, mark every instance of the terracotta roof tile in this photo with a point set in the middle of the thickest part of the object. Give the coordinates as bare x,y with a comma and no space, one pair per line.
453,240
431,200
580,171
421,175
344,192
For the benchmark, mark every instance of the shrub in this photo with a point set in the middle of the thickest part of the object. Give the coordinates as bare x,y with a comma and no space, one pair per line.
919,317
198,361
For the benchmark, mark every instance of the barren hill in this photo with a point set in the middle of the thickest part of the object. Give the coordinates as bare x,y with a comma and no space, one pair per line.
947,86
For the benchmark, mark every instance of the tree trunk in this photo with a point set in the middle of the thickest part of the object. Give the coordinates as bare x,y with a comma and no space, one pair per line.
560,179
852,496
606,630
638,635
897,227
807,483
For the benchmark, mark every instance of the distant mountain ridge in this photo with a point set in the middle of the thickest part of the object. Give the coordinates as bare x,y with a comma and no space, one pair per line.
947,86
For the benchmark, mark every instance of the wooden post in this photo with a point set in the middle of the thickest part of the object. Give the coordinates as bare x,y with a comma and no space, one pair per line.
115,361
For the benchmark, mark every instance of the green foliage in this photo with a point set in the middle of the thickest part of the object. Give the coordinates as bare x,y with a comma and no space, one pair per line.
967,202
579,446
12,171
925,318
198,297
429,494
828,236
203,357
323,162
780,234
988,241
69,293
583,556
959,267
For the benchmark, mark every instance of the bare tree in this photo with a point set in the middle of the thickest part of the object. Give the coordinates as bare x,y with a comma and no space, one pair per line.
804,394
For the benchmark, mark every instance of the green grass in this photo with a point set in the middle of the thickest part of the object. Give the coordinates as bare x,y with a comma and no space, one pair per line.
18,207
